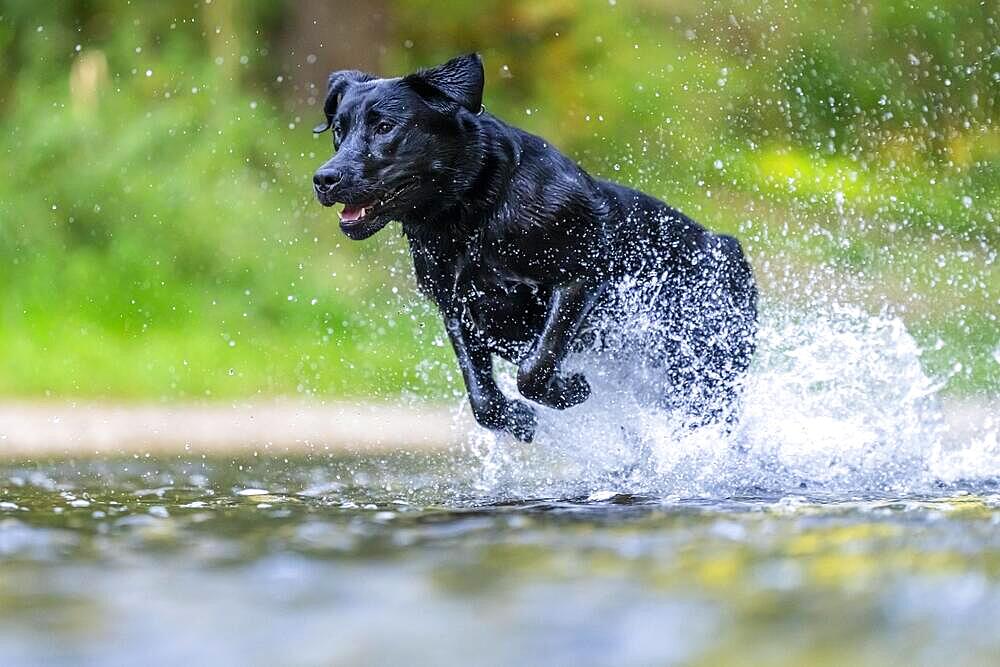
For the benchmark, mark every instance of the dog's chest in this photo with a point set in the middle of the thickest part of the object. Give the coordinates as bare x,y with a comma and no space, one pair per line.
507,310
532,254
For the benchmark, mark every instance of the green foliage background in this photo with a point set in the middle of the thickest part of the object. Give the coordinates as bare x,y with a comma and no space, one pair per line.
159,239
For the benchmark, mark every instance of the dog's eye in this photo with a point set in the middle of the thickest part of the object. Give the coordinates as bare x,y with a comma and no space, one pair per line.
383,128
336,135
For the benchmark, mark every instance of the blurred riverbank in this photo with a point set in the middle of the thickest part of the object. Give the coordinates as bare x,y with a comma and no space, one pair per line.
30,429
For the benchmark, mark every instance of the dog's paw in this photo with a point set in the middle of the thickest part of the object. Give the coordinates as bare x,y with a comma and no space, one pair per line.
565,391
503,414
521,421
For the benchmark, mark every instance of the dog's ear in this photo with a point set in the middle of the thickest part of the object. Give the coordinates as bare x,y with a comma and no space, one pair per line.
339,82
460,80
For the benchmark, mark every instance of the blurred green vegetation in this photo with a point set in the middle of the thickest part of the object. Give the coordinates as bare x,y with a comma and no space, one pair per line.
159,238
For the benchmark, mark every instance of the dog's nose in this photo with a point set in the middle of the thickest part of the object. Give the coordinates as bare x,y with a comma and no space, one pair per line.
326,178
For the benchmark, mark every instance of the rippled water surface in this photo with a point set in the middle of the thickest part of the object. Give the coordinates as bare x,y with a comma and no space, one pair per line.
405,560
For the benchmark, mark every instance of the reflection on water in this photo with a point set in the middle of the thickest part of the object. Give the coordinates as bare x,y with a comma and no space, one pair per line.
398,561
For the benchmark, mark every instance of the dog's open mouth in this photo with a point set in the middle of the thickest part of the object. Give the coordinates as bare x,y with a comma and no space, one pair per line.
355,213
359,221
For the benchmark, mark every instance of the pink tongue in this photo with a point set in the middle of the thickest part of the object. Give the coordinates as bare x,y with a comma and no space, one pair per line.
351,213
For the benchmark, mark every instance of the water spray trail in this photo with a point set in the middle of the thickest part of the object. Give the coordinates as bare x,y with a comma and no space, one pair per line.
836,402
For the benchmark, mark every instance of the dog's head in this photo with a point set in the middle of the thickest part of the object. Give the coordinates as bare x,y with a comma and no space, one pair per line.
401,145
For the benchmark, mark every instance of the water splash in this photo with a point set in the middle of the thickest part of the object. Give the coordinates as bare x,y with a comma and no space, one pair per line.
836,402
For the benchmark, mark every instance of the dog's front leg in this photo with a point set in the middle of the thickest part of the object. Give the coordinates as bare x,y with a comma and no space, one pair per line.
440,272
490,407
538,375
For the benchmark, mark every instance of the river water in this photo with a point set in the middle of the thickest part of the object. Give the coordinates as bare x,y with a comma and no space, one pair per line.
403,560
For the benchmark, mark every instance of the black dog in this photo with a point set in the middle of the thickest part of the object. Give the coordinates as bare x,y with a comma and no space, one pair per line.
527,256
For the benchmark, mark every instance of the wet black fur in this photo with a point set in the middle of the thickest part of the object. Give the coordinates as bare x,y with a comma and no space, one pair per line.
524,252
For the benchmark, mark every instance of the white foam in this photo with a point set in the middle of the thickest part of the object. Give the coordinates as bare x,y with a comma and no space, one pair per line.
836,402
